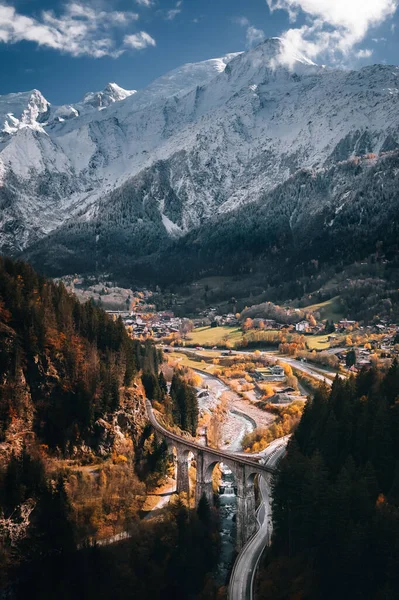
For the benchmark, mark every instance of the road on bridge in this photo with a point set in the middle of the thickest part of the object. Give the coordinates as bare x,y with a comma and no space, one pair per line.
218,454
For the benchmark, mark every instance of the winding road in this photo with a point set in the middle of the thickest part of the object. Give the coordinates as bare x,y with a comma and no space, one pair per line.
241,585
318,372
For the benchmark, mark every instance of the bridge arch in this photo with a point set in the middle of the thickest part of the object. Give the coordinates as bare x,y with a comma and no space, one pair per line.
251,477
208,472
184,459
218,461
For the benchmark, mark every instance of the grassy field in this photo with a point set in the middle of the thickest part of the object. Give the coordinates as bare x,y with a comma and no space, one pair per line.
185,361
214,336
217,336
330,309
317,342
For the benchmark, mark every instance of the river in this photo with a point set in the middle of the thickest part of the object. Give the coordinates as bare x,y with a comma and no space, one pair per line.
227,514
237,424
235,427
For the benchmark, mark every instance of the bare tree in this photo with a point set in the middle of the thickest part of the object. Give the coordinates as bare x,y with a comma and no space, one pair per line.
185,327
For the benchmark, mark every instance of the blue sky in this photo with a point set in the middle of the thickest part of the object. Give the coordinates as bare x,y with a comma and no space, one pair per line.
67,48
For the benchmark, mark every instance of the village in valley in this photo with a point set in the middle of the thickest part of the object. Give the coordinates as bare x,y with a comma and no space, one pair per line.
341,345
262,361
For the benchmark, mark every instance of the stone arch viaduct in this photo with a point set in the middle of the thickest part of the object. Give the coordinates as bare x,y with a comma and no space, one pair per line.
243,468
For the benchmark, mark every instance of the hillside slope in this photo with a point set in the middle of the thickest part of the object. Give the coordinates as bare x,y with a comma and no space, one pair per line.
336,501
64,367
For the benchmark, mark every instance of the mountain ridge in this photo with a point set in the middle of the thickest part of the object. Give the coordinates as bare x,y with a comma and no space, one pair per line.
204,139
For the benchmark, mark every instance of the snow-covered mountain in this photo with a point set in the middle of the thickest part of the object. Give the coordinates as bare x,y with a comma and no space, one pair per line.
205,138
24,109
92,101
111,93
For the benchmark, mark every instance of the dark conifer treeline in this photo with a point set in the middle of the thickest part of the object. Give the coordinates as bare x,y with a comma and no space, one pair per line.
152,385
336,499
184,404
62,363
181,406
171,559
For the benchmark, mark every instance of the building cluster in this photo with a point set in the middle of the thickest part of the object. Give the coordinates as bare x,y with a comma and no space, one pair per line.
156,325
387,332
210,316
380,340
272,373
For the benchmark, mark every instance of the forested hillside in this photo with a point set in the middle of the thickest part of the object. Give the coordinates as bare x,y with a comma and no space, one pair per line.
336,498
77,457
62,363
297,237
291,241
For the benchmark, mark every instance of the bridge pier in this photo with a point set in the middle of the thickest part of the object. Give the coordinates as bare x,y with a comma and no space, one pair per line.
250,511
267,490
241,535
202,486
182,478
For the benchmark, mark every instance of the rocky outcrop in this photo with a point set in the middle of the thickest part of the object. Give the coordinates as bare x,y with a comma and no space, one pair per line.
123,427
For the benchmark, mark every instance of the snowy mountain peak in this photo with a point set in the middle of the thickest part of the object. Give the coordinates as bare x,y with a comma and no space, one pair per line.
110,94
37,106
273,55
117,92
22,109
281,53
203,139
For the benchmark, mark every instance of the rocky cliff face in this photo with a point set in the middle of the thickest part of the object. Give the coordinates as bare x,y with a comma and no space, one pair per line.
123,428
116,433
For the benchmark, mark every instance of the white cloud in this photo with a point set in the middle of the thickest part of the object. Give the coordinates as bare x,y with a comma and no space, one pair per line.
146,3
243,21
139,41
79,30
171,14
254,36
366,53
333,27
